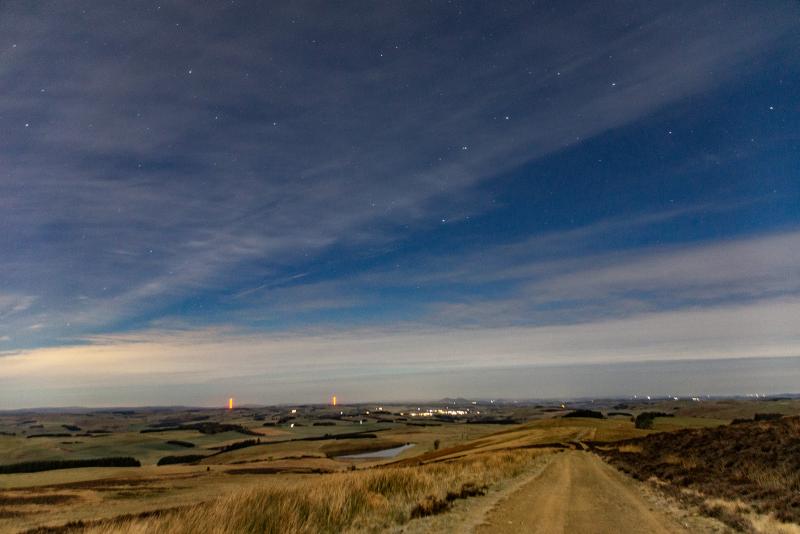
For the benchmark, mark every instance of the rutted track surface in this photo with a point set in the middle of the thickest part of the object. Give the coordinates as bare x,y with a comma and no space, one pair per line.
578,493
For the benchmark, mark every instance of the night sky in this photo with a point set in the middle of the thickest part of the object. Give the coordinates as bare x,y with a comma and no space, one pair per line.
397,200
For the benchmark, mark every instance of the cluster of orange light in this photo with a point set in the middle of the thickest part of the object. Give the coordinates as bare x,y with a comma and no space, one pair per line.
333,400
230,403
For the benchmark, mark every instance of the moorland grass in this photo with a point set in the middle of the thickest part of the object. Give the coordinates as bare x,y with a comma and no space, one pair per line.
755,463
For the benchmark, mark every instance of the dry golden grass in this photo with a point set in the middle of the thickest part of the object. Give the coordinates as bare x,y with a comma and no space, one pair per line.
686,462
367,501
770,478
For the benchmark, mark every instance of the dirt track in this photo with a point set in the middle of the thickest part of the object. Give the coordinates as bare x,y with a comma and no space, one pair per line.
578,493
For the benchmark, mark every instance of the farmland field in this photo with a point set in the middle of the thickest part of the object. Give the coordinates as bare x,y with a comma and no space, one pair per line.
268,455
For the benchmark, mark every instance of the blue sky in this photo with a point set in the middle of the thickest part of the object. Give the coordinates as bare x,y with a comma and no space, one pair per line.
263,195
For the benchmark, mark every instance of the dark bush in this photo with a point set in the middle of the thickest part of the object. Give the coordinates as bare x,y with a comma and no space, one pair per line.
645,419
218,428
185,459
493,421
48,465
239,445
585,413
207,427
767,416
180,443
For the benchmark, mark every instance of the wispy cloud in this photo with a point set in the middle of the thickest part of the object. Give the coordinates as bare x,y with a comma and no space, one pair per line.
13,304
753,267
191,166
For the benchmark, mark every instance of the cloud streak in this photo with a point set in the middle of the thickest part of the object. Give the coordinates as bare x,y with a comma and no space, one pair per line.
189,164
202,358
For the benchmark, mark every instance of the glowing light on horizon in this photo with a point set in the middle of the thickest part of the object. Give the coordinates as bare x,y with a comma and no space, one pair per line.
230,403
333,400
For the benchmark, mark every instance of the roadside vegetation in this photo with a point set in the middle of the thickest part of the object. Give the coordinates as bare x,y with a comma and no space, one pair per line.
732,472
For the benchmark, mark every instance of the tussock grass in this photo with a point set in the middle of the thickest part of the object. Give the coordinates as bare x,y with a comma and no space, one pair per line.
367,500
